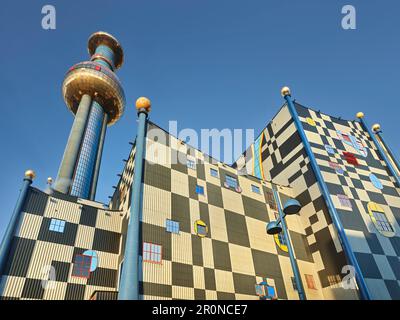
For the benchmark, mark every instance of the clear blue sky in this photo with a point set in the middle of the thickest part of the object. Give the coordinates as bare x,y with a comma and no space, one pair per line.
207,64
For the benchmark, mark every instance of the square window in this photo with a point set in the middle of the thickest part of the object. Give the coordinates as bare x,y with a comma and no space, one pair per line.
152,252
201,230
271,200
231,182
350,158
82,265
336,167
344,201
191,164
214,173
255,189
310,282
57,225
329,149
199,189
172,226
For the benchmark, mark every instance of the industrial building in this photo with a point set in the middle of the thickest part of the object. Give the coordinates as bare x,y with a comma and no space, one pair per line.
183,225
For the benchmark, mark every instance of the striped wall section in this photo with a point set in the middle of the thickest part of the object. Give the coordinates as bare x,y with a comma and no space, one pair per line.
42,260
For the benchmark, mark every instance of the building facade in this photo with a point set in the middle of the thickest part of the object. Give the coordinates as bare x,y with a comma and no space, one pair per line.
182,225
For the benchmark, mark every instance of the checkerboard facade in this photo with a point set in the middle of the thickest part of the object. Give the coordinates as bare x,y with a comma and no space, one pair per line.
284,160
233,253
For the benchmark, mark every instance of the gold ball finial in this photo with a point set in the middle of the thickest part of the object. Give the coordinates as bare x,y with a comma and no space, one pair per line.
285,91
376,127
30,174
143,103
360,115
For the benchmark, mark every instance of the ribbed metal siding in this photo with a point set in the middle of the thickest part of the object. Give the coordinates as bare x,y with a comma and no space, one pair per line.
63,210
36,202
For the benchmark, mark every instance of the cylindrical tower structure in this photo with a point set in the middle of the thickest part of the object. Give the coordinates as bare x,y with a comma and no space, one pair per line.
95,96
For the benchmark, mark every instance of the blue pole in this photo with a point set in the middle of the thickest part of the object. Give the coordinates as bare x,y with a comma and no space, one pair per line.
129,284
381,151
293,262
14,221
363,289
388,149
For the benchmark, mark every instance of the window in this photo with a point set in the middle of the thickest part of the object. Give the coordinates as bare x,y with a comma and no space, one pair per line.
310,282
214,173
191,164
172,226
199,189
151,252
344,201
265,291
271,200
375,181
82,266
329,149
380,220
294,283
336,167
57,225
200,228
231,182
95,259
350,158
255,189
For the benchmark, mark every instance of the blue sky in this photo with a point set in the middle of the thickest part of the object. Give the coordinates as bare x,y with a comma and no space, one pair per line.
207,64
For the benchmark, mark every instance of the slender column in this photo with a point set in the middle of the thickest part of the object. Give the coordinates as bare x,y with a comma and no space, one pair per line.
67,167
98,158
14,221
381,152
293,262
84,168
363,289
129,284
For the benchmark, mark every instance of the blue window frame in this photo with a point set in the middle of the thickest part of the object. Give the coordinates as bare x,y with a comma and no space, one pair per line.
329,149
255,189
231,182
265,291
172,226
199,189
57,225
191,164
214,173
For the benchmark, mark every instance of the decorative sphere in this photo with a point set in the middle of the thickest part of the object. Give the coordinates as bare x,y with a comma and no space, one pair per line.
376,127
285,91
49,180
30,174
360,115
143,103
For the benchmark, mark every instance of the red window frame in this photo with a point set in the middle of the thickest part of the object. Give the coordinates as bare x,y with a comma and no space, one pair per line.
152,252
310,282
350,158
81,266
